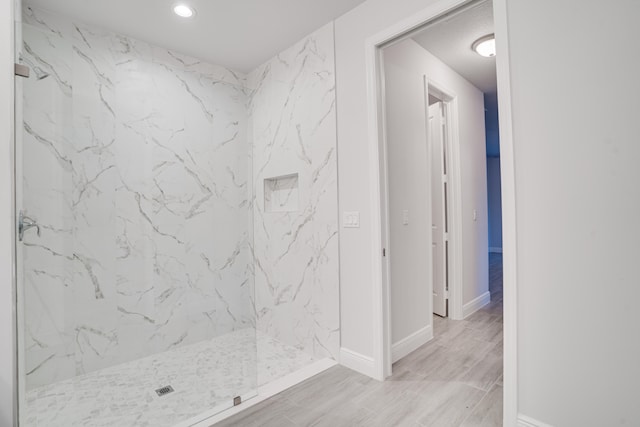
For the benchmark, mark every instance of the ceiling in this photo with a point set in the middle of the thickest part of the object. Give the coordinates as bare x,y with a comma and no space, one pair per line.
450,40
237,34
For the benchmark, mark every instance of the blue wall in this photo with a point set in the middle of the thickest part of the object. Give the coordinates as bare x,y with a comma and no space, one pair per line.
494,198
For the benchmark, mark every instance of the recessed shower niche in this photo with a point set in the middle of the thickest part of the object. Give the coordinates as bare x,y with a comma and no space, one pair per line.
281,193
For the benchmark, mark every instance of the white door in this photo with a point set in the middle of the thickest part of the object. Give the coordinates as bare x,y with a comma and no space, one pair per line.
438,213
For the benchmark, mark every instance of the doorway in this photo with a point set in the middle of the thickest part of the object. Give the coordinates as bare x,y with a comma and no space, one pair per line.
389,77
435,167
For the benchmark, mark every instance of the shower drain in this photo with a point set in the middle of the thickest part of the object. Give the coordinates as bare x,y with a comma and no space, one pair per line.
164,390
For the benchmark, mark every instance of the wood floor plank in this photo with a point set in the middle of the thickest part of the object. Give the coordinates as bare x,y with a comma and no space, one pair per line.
448,404
454,380
270,412
488,413
339,415
493,333
487,371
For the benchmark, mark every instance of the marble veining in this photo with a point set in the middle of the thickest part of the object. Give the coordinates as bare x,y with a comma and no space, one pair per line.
135,165
146,170
281,194
293,125
203,376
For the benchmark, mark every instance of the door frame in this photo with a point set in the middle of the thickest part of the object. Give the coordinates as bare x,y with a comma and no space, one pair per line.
454,187
8,328
378,195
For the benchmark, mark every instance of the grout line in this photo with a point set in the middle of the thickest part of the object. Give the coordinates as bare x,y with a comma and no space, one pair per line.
474,408
477,388
289,419
483,398
495,383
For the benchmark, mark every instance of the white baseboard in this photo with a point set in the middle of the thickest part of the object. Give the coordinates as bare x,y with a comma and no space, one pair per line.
524,421
264,392
358,362
411,343
495,250
472,306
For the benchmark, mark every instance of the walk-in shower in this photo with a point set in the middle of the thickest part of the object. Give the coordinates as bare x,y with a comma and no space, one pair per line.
168,263
135,171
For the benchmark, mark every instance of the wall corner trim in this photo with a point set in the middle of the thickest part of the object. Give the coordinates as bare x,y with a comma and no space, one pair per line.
411,343
358,362
472,306
525,421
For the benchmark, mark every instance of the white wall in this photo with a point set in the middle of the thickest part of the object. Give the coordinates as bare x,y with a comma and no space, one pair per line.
7,326
577,175
356,292
577,357
494,201
409,190
408,175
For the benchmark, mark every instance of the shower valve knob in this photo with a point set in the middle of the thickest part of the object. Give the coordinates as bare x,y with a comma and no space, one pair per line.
24,224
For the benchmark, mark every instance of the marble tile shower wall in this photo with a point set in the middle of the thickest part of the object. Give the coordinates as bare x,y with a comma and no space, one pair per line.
136,166
293,129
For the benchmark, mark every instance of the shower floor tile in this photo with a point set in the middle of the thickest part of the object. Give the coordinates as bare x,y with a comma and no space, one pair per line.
203,375
276,359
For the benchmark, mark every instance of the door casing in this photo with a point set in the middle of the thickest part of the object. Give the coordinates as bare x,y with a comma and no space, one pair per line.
378,196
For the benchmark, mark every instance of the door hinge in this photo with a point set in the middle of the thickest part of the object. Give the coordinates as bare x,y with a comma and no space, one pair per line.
384,251
21,70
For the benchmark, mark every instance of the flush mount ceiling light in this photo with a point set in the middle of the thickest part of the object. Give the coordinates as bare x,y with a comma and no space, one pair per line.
183,11
485,46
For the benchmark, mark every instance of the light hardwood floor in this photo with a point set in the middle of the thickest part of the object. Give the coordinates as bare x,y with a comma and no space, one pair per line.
454,380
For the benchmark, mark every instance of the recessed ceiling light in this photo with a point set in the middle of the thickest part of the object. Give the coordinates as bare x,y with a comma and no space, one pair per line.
485,46
183,11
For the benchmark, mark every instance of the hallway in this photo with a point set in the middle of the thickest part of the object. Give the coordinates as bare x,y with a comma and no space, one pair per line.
454,380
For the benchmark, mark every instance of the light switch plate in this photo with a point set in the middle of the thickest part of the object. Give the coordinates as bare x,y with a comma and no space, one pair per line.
351,219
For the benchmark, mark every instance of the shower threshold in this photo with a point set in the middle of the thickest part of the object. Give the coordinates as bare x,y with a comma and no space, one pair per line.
265,391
